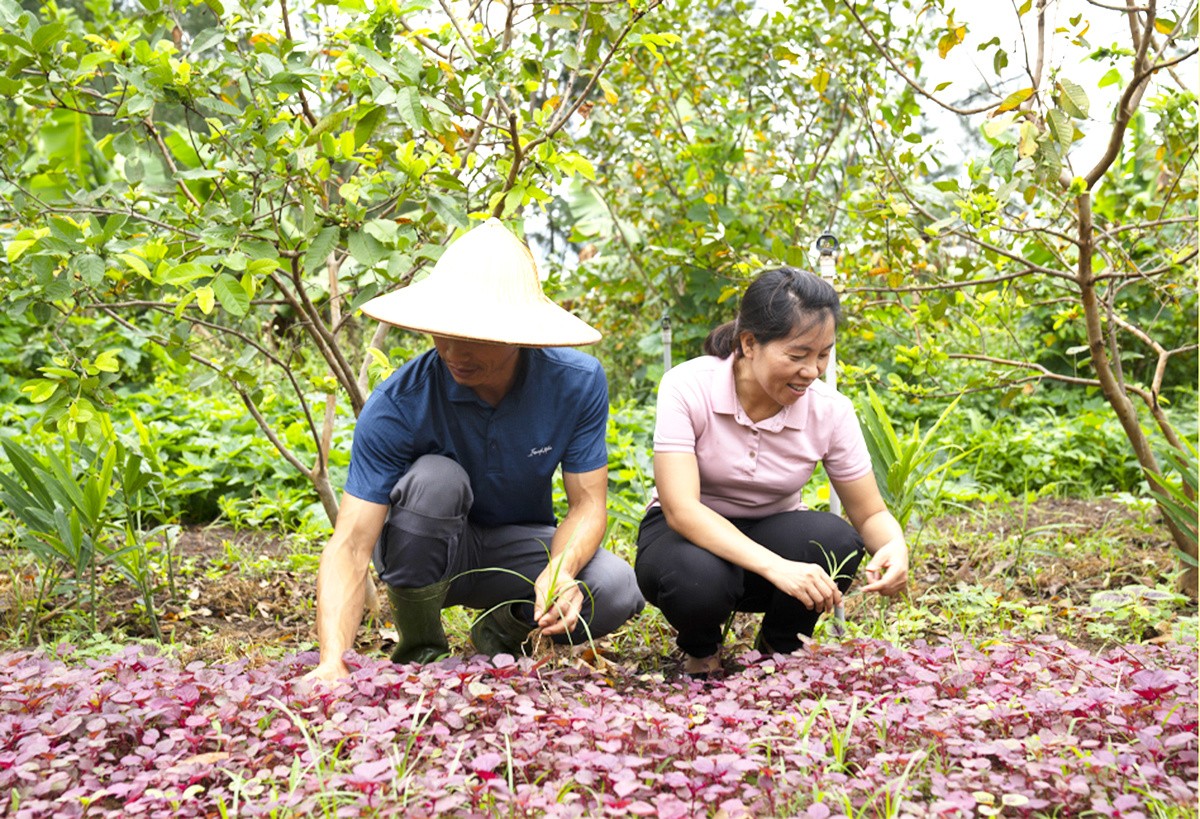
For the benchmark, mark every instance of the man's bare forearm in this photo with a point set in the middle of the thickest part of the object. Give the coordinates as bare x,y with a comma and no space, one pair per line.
341,589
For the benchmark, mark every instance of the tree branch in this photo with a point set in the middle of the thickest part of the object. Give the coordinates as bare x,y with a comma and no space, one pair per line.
882,49
148,124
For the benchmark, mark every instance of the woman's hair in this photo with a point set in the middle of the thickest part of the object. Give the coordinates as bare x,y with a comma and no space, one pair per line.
780,302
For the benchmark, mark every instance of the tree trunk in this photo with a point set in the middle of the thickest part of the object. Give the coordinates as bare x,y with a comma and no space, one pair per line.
1115,393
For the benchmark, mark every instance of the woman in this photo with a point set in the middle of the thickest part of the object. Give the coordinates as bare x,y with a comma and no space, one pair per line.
738,434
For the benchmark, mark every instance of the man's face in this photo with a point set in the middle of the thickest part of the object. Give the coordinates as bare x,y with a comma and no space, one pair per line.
488,369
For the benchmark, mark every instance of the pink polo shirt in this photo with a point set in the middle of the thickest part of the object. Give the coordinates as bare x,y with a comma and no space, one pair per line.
747,469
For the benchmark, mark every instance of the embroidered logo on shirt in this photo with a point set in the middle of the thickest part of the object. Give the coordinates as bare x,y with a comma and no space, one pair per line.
539,450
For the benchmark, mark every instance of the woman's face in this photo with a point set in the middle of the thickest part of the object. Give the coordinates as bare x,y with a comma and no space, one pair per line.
784,369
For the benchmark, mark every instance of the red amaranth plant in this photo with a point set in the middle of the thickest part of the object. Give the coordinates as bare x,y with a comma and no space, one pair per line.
1018,727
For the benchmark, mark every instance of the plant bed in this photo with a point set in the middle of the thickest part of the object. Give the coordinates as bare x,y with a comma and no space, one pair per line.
955,728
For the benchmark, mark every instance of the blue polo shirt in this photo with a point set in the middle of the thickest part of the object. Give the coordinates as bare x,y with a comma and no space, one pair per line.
556,412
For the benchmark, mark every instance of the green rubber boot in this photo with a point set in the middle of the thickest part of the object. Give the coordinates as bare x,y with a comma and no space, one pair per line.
418,617
500,632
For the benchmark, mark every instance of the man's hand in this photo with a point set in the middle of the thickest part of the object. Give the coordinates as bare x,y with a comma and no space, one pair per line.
887,572
558,600
329,671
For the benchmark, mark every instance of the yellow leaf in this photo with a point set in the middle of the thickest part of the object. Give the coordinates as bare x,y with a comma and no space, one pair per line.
953,36
1014,99
1163,26
1027,146
820,80
206,298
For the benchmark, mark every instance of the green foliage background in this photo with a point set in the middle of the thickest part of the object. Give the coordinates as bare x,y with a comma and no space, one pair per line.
197,197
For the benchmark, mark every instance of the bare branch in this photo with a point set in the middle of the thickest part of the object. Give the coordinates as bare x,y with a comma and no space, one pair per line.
927,288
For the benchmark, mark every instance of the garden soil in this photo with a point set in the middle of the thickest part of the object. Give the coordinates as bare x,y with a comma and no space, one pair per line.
252,594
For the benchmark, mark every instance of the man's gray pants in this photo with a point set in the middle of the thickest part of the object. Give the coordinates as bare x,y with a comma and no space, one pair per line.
428,538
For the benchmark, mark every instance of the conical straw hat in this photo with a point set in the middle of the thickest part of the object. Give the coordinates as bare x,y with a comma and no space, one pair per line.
485,287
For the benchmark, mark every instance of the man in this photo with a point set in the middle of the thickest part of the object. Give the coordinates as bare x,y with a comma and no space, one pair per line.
452,468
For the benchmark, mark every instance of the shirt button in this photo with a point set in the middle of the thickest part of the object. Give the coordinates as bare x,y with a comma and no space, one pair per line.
751,453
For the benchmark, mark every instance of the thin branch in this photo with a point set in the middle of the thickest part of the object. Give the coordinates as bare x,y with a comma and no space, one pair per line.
563,114
148,124
927,288
425,42
287,30
1127,9
882,49
1130,99
262,422
514,170
1146,274
1179,220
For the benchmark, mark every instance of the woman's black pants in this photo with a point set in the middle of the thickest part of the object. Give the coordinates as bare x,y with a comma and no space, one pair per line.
697,591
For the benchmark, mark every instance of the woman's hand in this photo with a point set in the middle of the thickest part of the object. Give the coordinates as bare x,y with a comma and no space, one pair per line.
808,583
887,573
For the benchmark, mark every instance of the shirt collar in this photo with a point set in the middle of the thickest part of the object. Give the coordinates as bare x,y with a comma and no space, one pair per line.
725,402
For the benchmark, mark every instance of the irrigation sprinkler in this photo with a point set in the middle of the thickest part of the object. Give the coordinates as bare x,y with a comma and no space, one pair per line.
666,341
827,245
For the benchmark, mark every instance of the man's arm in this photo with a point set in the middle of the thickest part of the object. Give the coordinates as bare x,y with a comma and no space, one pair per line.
341,582
559,599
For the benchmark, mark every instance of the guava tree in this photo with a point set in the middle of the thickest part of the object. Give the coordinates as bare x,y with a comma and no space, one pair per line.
722,150
1036,219
230,182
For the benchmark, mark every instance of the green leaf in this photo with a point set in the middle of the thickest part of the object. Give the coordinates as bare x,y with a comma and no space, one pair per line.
17,247
1061,128
324,125
559,21
366,125
1000,61
90,268
207,39
408,106
232,295
47,34
1110,77
1073,99
40,389
182,274
320,248
136,263
450,211
382,66
366,249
